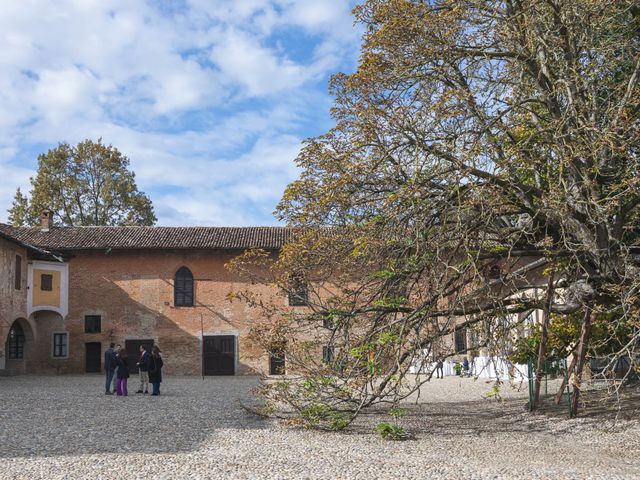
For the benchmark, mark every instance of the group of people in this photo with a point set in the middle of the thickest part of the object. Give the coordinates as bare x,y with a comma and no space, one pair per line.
116,365
462,369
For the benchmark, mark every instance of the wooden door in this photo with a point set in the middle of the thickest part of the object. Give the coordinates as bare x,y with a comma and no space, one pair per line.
93,357
219,355
277,363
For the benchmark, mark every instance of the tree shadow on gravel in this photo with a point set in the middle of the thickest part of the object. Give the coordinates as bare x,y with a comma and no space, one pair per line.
600,404
476,418
64,415
454,419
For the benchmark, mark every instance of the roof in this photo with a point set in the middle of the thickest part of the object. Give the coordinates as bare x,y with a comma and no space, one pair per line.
138,238
32,248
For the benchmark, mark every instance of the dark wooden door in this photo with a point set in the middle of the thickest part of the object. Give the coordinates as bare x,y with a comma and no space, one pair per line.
133,351
219,355
92,357
277,363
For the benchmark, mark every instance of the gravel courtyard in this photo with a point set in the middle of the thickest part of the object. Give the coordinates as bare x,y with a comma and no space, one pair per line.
63,427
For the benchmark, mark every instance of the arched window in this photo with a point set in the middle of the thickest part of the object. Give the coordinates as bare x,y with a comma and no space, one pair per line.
15,342
183,288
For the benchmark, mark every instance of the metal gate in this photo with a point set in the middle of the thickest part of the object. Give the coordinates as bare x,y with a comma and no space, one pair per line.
551,370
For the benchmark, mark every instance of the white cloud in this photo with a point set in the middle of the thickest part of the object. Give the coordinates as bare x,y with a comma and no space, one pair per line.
261,70
203,96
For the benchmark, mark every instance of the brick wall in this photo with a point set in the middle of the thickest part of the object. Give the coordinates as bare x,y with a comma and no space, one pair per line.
13,302
133,294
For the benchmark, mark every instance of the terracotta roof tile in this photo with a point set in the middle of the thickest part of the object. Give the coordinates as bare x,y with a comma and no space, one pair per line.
134,238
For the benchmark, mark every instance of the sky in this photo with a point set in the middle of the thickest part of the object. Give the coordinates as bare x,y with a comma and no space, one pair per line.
209,99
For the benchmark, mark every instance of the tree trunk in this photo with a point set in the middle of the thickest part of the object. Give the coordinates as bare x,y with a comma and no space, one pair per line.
581,354
542,350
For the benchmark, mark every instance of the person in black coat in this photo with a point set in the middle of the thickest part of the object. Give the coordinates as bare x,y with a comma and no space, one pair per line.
155,370
123,372
110,364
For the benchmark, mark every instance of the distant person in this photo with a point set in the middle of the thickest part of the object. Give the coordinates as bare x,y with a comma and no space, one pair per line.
155,370
465,367
143,369
115,375
439,369
123,373
110,362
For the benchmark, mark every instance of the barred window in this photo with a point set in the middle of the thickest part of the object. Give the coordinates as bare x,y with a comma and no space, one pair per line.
183,288
60,344
92,324
461,340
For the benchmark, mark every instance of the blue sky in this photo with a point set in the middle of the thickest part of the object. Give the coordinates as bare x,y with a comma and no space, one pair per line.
210,99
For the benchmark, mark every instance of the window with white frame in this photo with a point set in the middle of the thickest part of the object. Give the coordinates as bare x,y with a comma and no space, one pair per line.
60,345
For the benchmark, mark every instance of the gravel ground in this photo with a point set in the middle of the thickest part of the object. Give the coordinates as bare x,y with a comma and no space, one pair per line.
62,427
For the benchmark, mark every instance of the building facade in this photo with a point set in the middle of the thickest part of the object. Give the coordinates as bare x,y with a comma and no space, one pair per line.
67,292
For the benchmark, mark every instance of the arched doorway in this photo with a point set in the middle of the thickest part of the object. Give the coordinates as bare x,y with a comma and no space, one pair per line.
18,346
15,342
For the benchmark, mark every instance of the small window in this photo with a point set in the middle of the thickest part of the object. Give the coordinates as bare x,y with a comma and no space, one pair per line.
92,324
60,344
327,354
183,288
298,293
277,362
461,340
18,273
327,322
46,282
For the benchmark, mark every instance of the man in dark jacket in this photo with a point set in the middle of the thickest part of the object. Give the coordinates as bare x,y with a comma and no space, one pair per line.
143,369
110,363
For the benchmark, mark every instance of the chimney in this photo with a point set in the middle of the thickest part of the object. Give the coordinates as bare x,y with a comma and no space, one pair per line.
46,220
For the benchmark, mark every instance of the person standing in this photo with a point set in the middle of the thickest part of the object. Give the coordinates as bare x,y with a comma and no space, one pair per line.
143,369
110,363
465,367
439,369
123,373
115,374
155,370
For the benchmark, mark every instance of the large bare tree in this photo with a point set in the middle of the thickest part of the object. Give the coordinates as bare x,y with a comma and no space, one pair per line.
484,163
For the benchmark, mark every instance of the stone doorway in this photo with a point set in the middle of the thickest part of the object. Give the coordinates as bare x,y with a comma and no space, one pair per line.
18,347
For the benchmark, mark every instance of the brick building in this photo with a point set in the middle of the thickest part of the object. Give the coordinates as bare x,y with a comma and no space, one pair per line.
67,292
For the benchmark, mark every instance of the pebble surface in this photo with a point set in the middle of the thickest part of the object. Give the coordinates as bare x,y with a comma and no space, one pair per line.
63,428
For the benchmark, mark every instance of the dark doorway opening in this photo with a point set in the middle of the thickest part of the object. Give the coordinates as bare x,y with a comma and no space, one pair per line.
92,357
133,351
219,355
15,342
277,363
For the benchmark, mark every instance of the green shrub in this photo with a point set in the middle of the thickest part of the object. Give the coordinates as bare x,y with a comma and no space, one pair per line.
391,431
339,421
397,412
